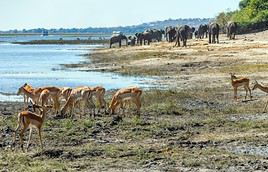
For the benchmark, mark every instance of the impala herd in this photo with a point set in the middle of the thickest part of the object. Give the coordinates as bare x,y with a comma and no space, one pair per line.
81,97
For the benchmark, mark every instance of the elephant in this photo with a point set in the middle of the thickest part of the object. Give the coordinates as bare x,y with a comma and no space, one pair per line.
117,38
196,34
213,30
202,30
156,34
182,34
131,40
190,34
231,29
144,36
170,33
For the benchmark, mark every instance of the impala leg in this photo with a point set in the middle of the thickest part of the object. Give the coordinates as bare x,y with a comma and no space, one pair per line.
246,88
122,108
40,138
250,93
235,93
21,137
24,101
138,105
72,109
115,106
83,108
30,137
91,103
17,128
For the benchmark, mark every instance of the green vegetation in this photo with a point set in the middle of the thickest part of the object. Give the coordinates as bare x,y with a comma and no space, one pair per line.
176,129
250,12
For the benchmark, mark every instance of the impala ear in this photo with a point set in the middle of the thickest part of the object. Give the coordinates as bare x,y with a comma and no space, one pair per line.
24,84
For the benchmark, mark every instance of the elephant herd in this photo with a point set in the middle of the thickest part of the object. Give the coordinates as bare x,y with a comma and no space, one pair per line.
176,34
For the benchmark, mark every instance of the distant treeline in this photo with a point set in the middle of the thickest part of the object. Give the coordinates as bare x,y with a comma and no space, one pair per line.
252,16
127,29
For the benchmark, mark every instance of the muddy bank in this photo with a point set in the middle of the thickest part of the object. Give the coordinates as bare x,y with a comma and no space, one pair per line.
179,67
177,130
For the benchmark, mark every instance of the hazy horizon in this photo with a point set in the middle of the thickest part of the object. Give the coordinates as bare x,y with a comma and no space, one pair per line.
30,14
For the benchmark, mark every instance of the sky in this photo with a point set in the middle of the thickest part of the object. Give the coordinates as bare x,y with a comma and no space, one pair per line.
28,14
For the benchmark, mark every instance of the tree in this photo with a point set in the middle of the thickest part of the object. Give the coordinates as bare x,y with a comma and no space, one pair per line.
243,4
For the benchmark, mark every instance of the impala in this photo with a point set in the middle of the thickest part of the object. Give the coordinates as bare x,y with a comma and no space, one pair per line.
34,94
25,96
65,92
239,82
125,94
29,92
262,88
80,96
28,119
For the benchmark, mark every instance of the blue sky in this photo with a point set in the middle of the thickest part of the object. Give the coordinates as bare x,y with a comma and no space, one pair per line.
19,14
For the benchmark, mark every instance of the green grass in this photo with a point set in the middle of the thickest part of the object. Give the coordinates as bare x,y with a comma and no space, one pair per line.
156,137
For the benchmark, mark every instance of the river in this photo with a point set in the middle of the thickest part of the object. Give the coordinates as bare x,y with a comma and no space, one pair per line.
40,65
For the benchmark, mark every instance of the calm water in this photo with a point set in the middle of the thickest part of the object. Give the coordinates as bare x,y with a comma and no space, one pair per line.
39,65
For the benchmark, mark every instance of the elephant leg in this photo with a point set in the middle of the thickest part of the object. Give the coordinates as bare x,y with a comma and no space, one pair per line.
213,38
184,42
218,38
120,44
209,38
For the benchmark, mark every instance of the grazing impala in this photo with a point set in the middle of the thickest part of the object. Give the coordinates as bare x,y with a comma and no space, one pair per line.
79,95
28,119
238,82
98,92
29,92
125,94
34,94
25,96
44,96
65,92
262,88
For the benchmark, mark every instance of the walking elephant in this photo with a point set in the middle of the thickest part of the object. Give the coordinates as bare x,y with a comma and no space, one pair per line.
202,31
231,29
156,35
117,38
170,33
182,34
213,31
144,37
131,40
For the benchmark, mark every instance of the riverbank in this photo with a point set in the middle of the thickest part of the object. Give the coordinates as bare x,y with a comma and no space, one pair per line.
183,68
177,130
192,125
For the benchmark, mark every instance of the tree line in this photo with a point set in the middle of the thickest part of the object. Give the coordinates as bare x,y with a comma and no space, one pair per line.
251,16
